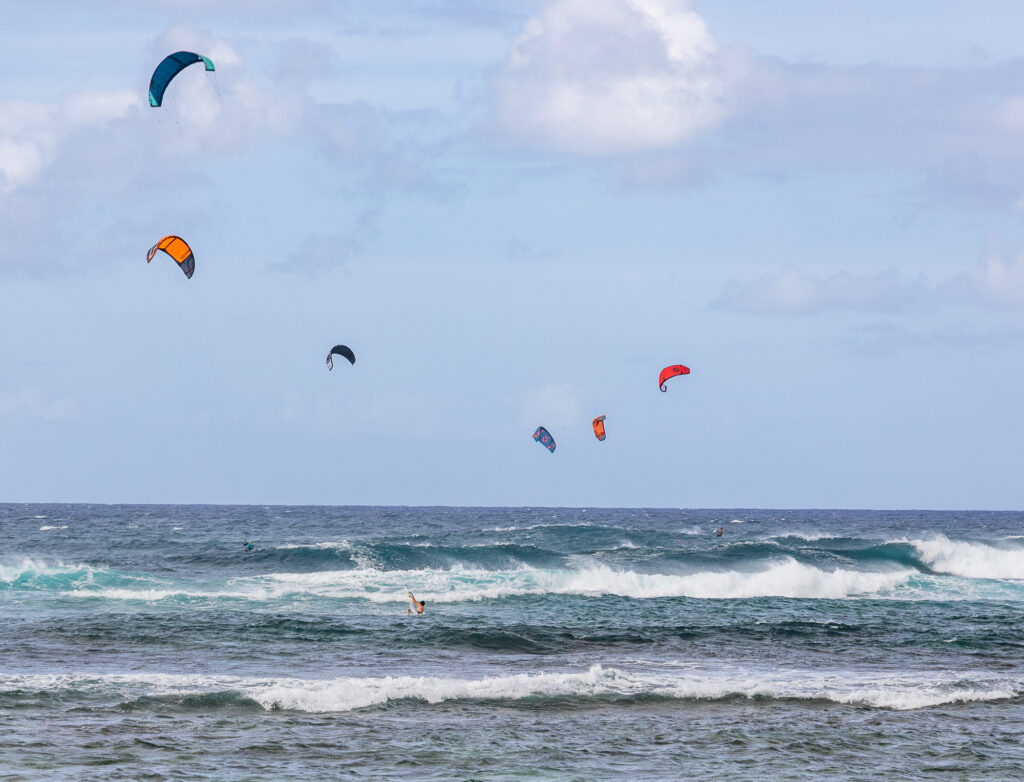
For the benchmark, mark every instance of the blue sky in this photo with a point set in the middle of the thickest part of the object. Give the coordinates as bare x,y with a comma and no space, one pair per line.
515,213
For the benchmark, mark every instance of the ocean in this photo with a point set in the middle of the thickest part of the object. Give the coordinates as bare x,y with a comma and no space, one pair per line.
143,642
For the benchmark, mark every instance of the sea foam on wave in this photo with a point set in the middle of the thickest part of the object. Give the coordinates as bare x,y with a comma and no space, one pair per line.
337,545
783,578
970,560
32,571
902,691
778,578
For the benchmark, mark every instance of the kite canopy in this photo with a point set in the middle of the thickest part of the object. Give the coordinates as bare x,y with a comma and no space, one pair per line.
672,371
177,248
169,67
599,427
340,350
543,436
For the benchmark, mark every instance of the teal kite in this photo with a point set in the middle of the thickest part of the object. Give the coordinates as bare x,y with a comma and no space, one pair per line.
169,67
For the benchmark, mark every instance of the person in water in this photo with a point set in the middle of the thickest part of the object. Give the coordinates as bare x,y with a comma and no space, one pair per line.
247,545
419,605
719,531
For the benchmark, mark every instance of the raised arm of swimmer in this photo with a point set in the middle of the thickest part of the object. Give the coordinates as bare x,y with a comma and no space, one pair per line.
419,605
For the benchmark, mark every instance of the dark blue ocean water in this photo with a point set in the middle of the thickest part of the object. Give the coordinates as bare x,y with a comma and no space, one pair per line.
143,642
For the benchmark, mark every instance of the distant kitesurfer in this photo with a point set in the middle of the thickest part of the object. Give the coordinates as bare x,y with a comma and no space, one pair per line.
248,545
419,605
719,531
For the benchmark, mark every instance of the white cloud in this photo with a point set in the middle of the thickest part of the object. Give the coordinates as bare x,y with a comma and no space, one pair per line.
31,134
223,109
323,253
995,283
96,107
198,114
20,163
886,338
792,293
607,76
32,402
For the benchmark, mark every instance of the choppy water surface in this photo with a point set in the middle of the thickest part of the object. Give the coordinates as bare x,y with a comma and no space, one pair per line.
143,642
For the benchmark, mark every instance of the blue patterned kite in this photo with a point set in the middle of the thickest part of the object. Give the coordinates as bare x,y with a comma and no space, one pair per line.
543,436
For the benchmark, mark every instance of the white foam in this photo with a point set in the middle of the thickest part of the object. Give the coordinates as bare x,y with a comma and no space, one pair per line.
781,578
913,690
810,537
46,527
157,594
28,567
346,694
339,545
970,560
784,578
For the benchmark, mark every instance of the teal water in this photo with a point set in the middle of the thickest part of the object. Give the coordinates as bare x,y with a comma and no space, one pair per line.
143,642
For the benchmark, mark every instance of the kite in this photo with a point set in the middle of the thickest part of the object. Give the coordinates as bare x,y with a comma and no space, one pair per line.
178,249
340,350
543,436
169,67
672,371
599,427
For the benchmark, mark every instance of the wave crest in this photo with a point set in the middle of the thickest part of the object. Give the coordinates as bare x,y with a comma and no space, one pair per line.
970,560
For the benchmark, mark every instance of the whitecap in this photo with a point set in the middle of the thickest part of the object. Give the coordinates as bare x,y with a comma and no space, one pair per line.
782,578
340,545
969,560
810,537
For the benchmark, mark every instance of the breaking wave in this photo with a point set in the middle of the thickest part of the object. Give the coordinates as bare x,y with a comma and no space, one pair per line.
158,691
970,560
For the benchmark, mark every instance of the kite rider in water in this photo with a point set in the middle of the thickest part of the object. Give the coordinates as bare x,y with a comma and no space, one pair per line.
419,605
718,532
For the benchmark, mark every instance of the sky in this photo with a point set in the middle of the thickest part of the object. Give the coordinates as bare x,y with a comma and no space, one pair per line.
515,214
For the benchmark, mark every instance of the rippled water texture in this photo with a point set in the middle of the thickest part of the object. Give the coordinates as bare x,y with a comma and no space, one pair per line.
144,642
